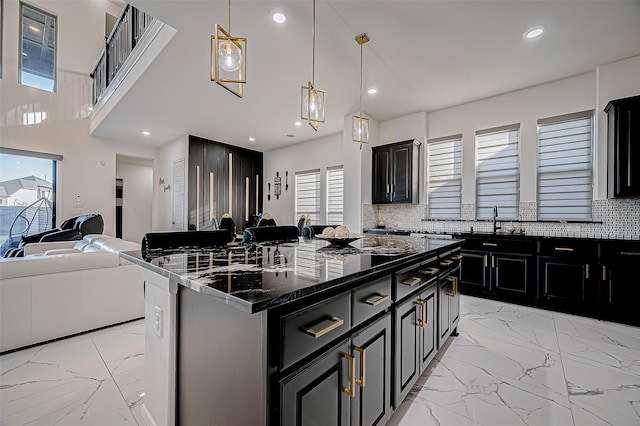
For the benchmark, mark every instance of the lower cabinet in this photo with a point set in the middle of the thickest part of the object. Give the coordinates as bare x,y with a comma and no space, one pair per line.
619,276
415,341
448,306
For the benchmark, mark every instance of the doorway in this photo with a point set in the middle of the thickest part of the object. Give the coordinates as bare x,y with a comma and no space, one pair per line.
135,177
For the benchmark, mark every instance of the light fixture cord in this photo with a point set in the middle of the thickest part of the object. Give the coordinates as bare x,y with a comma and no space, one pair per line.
313,48
229,9
361,84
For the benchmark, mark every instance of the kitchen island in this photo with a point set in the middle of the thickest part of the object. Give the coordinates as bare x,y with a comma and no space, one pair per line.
280,333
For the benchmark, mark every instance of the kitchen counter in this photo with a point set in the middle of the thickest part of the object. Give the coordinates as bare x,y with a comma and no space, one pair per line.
254,278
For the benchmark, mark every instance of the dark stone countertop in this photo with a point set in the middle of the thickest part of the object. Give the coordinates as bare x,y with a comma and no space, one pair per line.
258,277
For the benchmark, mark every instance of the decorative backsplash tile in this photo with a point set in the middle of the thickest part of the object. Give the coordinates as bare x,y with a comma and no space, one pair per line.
620,220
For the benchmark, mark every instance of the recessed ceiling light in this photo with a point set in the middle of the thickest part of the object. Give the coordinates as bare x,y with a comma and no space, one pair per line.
278,16
252,139
297,123
372,91
146,133
534,32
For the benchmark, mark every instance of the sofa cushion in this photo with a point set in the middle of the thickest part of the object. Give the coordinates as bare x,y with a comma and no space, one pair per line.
115,245
61,251
39,265
90,238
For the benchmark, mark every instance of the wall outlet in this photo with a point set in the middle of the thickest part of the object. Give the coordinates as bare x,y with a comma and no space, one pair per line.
158,321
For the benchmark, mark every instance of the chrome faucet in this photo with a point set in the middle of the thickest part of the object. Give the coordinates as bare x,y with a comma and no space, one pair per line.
495,219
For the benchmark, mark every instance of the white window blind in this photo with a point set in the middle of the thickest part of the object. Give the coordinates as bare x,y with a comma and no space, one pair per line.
335,195
565,168
308,195
497,172
445,180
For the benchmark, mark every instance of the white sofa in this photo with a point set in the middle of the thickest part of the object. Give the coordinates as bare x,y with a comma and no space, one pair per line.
62,288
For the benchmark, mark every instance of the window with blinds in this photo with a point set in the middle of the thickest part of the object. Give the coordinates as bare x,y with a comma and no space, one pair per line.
444,159
565,167
335,195
308,195
497,172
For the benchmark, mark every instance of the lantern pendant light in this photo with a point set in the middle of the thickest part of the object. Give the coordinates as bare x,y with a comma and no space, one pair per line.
312,100
227,64
360,124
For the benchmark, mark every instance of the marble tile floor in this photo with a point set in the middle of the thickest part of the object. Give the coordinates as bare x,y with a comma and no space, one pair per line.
510,365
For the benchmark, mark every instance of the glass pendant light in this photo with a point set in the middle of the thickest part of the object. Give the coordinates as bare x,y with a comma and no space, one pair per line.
360,124
312,100
228,59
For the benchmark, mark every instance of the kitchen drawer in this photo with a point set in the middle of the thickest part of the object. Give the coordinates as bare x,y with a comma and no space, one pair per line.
584,251
500,245
370,299
309,329
411,279
449,261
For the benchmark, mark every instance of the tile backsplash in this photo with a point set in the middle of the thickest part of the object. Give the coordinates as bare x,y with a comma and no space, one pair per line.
620,220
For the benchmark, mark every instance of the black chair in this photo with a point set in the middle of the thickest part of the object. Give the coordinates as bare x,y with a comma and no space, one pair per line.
310,231
302,222
226,222
154,243
267,220
270,233
82,225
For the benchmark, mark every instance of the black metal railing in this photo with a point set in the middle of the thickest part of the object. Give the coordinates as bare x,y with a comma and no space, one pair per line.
127,32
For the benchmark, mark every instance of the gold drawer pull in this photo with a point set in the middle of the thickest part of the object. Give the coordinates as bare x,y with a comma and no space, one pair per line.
360,382
351,390
411,281
423,311
381,298
490,244
454,286
563,249
629,253
604,273
455,257
587,275
446,262
430,271
335,323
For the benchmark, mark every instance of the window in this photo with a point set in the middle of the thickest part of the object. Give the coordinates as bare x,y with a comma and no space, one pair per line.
565,167
1,31
497,172
335,195
444,157
308,195
38,48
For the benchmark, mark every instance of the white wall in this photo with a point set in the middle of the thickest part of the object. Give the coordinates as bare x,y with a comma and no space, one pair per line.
137,197
162,200
316,154
88,167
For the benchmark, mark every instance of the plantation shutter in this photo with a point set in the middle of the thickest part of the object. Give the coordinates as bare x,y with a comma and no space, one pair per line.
445,180
335,195
308,195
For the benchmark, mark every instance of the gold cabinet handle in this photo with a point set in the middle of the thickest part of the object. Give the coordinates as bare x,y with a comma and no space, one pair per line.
360,381
411,281
586,271
430,271
604,273
490,244
351,390
335,323
629,253
446,262
381,298
246,199
563,249
423,311
456,257
485,260
231,184
454,286
493,261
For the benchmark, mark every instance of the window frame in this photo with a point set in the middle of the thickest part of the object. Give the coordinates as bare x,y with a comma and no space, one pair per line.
454,139
51,14
328,187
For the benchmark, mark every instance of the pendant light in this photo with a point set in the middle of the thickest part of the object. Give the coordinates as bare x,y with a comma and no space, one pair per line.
360,124
312,100
227,64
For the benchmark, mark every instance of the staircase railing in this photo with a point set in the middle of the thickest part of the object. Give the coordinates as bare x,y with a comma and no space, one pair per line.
127,32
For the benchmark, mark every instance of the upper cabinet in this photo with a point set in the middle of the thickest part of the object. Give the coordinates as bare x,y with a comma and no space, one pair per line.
624,147
223,179
395,172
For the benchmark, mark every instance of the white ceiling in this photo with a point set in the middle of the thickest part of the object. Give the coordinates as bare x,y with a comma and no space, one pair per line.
423,56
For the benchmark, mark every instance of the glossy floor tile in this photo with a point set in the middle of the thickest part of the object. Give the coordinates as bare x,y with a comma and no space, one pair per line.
510,365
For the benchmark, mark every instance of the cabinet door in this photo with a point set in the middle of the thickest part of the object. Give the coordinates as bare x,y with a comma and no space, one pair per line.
625,119
407,348
314,395
619,293
454,304
380,178
372,402
214,183
427,327
444,321
512,276
473,272
401,170
563,284
196,190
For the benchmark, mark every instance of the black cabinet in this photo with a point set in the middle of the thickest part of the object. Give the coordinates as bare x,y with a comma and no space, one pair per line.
448,305
395,172
223,179
619,279
567,275
501,267
624,147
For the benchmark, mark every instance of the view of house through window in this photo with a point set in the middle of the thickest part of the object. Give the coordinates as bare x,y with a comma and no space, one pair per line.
38,48
27,196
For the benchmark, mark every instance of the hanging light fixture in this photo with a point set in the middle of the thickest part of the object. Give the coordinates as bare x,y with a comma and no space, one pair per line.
360,124
227,65
312,100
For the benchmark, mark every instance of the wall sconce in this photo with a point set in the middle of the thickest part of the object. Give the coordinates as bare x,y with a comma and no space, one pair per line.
277,186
